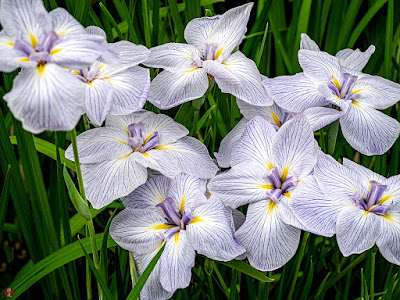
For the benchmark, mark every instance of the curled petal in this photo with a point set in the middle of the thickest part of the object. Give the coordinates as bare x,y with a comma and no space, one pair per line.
355,59
198,30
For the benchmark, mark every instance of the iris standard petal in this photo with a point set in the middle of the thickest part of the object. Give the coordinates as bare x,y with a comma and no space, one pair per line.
224,153
319,117
64,23
294,148
98,100
198,30
368,130
238,67
389,239
242,184
365,173
172,89
109,180
99,144
131,88
46,98
138,230
307,43
355,59
320,67
357,230
255,145
294,93
176,262
270,243
211,234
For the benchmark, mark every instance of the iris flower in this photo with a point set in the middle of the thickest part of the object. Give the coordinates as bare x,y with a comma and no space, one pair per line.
211,41
267,166
44,94
174,212
114,159
361,207
117,89
336,86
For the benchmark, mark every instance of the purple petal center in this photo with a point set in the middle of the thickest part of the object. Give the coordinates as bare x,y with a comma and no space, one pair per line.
343,91
279,187
372,202
137,141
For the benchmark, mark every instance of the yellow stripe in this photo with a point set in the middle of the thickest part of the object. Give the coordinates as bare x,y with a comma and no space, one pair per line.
384,199
24,59
8,44
266,186
287,195
270,165
55,51
162,226
162,148
355,104
192,70
271,207
196,220
219,52
336,83
33,40
148,137
357,91
182,204
176,238
285,173
41,68
123,142
275,118
388,217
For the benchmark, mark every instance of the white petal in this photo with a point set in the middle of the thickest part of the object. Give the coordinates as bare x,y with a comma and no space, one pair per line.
99,144
320,67
389,239
149,194
393,191
98,100
307,43
270,243
319,117
94,30
46,98
172,89
294,148
294,93
130,54
223,156
109,180
138,230
368,130
64,23
187,155
357,230
229,30
273,113
255,145
365,173
211,234
239,76
286,214
176,262
198,30
131,88
355,59
242,184
313,209
376,91
25,18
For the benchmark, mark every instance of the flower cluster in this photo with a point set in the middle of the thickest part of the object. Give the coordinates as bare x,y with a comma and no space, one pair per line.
167,180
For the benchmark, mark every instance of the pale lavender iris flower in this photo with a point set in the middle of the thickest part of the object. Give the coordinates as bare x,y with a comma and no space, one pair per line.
267,166
174,212
115,158
117,89
361,207
188,68
44,94
336,86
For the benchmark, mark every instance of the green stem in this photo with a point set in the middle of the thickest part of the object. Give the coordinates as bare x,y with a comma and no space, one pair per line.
372,289
332,136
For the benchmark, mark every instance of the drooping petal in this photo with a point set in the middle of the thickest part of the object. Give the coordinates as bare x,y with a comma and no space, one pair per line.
138,230
210,232
365,173
294,93
357,230
355,59
176,262
273,113
319,117
25,18
187,155
99,144
229,30
223,156
131,88
242,184
255,145
375,91
285,212
270,243
393,192
149,194
109,180
368,130
64,23
46,98
98,100
389,238
294,148
320,67
307,43
248,87
317,212
172,89
198,30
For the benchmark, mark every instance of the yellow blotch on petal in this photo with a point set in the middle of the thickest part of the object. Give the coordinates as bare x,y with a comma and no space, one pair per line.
161,226
219,52
384,199
33,40
24,59
285,173
388,217
275,118
77,72
162,148
123,142
287,195
182,204
196,220
176,237
55,51
146,154
357,91
366,212
148,137
62,32
192,70
355,103
271,207
102,65
266,186
336,82
269,165
9,44
41,68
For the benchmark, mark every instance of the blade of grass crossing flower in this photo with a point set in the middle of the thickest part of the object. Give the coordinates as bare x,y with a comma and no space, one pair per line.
261,49
142,279
389,40
103,251
4,197
246,269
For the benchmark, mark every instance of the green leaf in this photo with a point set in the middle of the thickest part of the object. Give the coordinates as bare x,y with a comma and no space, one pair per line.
5,194
111,20
246,269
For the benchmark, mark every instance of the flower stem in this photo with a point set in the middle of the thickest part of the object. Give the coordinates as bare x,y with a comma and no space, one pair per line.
372,289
